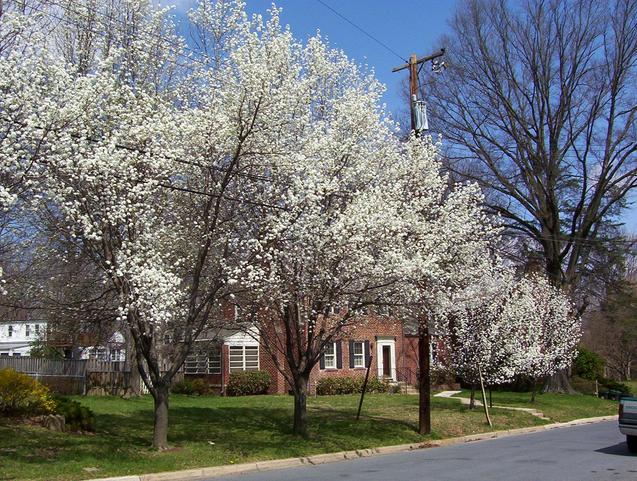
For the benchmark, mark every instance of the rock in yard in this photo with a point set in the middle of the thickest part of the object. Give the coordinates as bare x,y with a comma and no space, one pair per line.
54,422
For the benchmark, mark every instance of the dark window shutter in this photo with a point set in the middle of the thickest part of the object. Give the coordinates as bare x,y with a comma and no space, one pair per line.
339,355
351,354
322,361
366,353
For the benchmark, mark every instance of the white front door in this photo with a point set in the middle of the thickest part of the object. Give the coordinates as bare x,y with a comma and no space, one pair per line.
386,357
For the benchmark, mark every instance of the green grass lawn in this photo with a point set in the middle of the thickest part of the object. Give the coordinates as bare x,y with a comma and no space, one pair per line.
557,407
208,431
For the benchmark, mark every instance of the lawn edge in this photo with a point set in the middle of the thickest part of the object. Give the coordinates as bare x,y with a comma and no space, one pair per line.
198,474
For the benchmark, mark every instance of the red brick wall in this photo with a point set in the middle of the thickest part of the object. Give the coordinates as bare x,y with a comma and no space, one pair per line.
411,351
278,385
367,330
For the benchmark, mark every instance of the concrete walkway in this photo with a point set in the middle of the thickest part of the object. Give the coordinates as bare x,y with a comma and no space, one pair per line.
466,401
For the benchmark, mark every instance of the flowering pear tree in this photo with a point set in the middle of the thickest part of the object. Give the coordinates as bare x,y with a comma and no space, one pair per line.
485,342
549,328
153,183
503,327
314,261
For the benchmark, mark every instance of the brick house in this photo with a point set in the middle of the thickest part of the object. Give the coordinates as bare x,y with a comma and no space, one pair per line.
379,340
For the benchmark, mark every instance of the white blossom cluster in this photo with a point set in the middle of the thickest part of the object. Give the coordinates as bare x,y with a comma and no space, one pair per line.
505,327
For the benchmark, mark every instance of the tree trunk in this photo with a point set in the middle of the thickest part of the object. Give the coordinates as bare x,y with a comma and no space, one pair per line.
160,433
533,389
135,381
134,388
424,383
300,406
472,398
558,383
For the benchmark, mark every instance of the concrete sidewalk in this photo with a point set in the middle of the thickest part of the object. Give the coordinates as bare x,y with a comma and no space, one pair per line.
199,474
466,401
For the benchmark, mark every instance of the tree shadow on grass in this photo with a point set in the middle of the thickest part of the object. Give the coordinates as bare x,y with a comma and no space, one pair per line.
252,430
203,435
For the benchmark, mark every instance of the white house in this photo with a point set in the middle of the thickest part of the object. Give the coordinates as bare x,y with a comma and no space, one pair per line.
113,350
16,337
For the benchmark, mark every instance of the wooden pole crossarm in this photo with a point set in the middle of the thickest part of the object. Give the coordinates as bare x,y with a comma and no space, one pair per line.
434,56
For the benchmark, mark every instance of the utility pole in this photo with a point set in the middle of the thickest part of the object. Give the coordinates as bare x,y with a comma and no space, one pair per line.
414,61
418,124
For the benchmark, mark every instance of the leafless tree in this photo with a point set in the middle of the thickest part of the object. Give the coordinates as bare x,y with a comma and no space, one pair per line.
539,106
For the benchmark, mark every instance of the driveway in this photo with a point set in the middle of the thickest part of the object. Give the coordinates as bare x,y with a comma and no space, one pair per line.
581,453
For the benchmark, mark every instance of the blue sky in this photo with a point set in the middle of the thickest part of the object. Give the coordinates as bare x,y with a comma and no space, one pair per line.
405,26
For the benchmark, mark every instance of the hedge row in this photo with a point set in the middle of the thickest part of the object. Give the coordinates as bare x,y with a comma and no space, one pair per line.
248,383
191,387
349,385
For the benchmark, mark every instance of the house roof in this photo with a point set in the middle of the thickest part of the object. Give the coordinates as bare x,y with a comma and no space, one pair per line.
14,345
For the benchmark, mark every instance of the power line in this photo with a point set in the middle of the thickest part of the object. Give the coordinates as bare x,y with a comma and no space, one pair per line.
365,32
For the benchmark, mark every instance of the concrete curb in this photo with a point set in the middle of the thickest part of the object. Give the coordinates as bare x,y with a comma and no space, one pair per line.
211,472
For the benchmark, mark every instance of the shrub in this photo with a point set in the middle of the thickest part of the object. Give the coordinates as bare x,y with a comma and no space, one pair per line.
201,387
327,386
192,387
613,385
76,416
442,375
375,385
22,395
183,387
588,364
42,349
247,383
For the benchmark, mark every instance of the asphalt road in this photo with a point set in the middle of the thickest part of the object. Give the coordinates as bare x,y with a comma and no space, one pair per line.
582,453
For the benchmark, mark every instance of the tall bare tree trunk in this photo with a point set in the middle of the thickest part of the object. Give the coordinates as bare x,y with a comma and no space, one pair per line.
559,383
134,389
160,433
533,389
300,405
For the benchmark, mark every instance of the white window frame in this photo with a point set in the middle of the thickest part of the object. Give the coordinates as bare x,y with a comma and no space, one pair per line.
238,358
204,361
331,357
27,330
10,330
361,355
37,330
99,354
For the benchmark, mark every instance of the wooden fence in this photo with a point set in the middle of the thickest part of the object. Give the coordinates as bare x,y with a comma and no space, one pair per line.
74,376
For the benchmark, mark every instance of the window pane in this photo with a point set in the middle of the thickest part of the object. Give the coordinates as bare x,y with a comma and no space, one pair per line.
358,348
329,361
